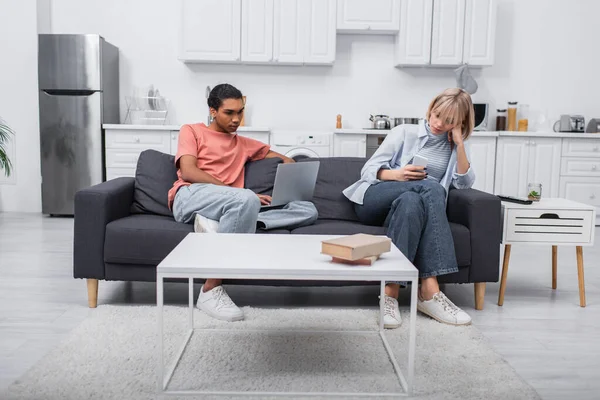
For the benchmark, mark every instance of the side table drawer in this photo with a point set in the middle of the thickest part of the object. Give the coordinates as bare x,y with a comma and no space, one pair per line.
552,226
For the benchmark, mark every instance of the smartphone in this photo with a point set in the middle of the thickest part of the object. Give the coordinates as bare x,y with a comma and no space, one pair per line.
419,161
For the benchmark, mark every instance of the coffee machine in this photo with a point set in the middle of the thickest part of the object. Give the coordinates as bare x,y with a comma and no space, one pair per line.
570,123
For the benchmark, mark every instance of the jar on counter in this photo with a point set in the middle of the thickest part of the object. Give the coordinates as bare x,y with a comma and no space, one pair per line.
523,117
501,120
512,115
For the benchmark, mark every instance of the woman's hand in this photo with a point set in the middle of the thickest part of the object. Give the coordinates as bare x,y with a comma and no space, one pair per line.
455,136
410,173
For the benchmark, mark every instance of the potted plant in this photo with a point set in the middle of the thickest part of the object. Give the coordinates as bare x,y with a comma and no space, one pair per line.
5,132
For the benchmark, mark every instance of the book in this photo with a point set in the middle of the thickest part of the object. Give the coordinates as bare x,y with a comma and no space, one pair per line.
355,247
363,261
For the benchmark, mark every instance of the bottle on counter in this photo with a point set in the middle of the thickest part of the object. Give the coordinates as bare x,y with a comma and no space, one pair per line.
512,115
338,123
501,120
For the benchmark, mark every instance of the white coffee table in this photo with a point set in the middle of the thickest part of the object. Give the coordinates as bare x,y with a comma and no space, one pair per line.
552,221
286,257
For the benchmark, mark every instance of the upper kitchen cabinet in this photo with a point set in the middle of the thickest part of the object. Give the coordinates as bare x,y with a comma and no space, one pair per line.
302,32
373,16
257,31
480,32
211,31
446,32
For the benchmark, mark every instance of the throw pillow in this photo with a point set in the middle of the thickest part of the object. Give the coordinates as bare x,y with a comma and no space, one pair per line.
154,177
260,175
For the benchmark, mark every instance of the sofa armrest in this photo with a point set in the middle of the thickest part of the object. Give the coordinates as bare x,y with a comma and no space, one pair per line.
95,207
481,212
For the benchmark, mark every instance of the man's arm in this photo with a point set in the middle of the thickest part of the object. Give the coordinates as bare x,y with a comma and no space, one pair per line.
273,154
192,174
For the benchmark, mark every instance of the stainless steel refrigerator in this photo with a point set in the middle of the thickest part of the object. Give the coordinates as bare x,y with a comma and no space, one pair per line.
79,91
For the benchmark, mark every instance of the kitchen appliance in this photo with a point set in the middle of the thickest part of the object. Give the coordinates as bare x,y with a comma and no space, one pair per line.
78,77
481,116
299,143
593,126
380,121
402,121
570,123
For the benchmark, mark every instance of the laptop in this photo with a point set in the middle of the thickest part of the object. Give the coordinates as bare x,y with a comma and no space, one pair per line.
293,182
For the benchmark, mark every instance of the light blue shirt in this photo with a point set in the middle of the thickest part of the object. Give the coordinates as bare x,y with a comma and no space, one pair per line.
396,151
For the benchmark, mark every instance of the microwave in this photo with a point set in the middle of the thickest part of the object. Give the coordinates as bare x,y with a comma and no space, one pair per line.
481,116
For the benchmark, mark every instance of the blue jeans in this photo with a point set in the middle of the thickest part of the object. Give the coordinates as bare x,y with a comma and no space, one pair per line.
238,210
414,213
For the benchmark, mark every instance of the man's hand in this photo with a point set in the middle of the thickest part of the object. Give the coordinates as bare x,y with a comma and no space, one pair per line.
264,199
409,173
287,160
456,136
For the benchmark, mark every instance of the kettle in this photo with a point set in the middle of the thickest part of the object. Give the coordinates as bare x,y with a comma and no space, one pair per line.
380,121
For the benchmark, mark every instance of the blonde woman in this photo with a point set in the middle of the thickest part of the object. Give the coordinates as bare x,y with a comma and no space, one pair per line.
410,200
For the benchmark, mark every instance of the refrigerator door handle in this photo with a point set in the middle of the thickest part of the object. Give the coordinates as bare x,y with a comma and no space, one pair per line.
56,92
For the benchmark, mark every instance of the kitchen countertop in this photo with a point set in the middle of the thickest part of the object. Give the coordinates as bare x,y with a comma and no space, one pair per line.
171,128
359,131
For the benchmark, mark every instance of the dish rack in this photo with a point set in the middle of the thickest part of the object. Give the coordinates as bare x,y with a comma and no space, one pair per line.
147,110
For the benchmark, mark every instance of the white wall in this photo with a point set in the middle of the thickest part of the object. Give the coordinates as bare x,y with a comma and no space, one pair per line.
19,104
546,56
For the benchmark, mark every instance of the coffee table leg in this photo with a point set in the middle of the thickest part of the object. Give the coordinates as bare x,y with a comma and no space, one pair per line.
504,274
159,310
412,335
191,301
579,251
554,265
381,305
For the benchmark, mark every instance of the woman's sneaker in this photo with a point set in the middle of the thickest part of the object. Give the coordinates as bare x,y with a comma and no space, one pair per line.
391,313
217,303
205,225
443,310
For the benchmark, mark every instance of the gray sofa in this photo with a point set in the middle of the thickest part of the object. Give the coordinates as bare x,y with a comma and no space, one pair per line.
123,227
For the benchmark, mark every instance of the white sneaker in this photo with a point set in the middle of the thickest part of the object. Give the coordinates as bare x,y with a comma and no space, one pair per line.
205,225
391,313
443,310
217,303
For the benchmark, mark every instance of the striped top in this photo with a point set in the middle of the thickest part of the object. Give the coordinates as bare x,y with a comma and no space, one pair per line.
437,150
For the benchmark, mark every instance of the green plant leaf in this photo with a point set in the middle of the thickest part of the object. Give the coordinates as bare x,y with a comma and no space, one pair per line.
5,133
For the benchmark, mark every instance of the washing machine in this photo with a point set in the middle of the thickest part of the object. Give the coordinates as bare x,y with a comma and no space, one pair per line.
299,143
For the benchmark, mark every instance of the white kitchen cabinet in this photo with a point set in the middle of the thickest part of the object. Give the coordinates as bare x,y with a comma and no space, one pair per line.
257,31
446,32
447,36
289,32
260,136
373,16
413,44
174,142
211,31
520,161
483,161
321,42
480,32
349,145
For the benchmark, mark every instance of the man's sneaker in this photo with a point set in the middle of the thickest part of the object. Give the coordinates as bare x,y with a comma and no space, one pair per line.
205,225
391,313
443,310
217,303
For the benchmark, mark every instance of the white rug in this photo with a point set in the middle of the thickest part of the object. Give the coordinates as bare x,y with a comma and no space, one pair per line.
113,355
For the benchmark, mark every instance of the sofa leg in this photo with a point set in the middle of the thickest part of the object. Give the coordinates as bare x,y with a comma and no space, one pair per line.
479,295
92,287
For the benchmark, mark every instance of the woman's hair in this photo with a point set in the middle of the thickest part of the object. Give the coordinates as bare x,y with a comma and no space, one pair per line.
454,106
222,92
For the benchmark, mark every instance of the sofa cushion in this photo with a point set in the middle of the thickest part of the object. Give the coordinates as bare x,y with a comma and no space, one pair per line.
335,175
143,239
154,177
460,235
259,176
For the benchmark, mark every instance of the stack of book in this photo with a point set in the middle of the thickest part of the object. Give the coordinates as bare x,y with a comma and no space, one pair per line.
359,249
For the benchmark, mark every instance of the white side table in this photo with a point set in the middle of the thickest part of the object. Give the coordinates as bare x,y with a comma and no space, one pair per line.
550,221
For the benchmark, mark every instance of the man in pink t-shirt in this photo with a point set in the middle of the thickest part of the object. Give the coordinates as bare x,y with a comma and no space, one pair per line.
210,190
